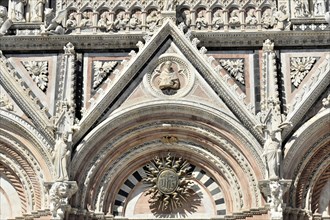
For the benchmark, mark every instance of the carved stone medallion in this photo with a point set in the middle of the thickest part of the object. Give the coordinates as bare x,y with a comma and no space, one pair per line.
167,181
171,77
168,178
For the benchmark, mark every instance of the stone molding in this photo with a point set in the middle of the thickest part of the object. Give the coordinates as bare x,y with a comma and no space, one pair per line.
122,41
29,132
301,136
133,112
101,154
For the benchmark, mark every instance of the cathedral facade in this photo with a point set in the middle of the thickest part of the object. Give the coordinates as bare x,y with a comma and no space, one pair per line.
147,109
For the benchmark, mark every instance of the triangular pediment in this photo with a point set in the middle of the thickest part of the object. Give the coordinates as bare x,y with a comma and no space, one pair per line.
193,87
201,80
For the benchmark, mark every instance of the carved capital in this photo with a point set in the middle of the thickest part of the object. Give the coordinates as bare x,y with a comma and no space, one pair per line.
274,191
59,194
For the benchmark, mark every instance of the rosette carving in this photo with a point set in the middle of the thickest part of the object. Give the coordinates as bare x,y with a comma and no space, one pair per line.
300,67
38,70
235,68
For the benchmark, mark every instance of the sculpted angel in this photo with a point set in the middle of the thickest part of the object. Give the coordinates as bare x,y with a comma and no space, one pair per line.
168,78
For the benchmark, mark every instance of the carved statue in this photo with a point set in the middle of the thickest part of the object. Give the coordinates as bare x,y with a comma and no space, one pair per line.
37,9
201,22
53,24
18,10
61,157
120,21
319,7
301,9
59,193
154,20
234,18
251,18
135,22
71,23
282,18
5,22
217,20
184,20
86,21
168,78
267,19
104,23
272,151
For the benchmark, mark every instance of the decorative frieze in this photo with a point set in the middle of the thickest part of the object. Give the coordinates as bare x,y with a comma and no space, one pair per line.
38,70
300,67
76,17
235,67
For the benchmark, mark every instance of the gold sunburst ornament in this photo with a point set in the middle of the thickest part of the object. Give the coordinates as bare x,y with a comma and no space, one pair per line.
169,182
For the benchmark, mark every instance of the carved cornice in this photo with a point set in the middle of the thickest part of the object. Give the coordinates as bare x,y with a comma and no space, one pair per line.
255,39
126,41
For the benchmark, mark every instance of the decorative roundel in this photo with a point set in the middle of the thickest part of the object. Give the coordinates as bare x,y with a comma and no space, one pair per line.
171,77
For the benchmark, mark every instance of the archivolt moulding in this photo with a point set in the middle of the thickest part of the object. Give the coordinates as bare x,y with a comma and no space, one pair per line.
297,143
109,177
12,122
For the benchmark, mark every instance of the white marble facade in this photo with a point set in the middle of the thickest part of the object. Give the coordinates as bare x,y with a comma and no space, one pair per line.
164,109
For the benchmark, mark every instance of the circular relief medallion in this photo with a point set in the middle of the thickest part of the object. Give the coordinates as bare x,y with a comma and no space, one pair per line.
167,181
171,77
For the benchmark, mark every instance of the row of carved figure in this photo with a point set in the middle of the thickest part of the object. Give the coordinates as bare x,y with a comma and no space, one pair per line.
234,18
26,10
67,21
33,10
304,8
106,21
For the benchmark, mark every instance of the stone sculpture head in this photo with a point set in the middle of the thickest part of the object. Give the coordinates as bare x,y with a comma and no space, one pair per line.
3,12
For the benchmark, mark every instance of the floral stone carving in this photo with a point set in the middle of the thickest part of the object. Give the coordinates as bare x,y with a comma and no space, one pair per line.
5,103
101,70
299,67
38,70
235,68
168,180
